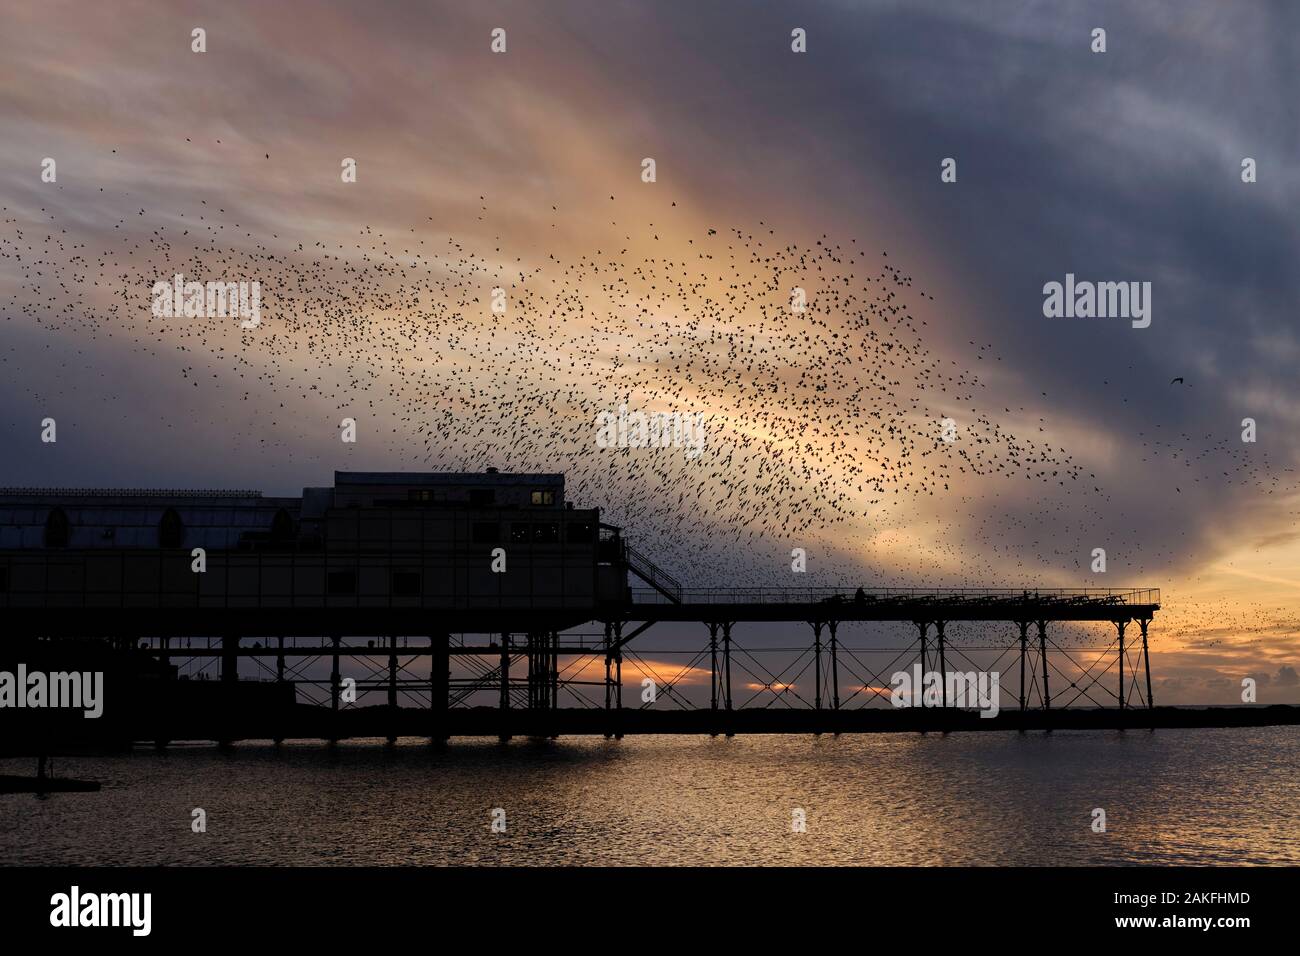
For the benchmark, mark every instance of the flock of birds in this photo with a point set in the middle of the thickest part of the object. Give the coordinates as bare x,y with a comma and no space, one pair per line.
824,425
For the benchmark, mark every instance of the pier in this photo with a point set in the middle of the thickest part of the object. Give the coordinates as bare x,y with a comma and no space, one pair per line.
442,589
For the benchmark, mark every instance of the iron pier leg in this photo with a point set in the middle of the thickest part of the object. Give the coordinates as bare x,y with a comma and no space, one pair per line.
713,666
726,668
943,667
279,673
552,668
835,668
726,665
230,685
608,642
439,684
555,685
161,742
336,681
817,665
609,689
1146,659
530,667
713,677
503,685
1119,626
1024,650
503,734
1042,651
541,642
392,688
230,658
618,680
923,627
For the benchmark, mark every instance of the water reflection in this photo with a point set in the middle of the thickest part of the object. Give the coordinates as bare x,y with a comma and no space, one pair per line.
1172,797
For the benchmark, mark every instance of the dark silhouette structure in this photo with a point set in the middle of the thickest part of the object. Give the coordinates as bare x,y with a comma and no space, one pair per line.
486,568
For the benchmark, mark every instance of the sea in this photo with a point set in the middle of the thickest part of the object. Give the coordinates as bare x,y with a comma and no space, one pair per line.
1098,798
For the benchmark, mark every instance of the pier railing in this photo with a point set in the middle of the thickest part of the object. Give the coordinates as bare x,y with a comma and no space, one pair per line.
965,596
661,582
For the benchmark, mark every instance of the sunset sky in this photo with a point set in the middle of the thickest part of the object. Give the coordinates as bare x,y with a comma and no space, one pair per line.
477,169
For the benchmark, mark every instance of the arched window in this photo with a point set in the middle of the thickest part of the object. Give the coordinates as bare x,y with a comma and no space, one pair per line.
56,529
282,529
171,530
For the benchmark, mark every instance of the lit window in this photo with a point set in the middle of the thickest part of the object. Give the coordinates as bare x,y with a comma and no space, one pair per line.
543,497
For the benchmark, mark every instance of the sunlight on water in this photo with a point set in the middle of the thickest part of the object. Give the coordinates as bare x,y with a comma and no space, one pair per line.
1172,797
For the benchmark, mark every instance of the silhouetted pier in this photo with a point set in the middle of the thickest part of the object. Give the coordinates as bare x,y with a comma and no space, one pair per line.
408,573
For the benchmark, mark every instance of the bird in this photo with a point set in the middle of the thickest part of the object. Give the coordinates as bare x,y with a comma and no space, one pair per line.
820,427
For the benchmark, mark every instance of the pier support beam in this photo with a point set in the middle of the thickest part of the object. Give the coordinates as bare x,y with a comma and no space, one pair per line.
1042,651
439,685
618,680
534,670
164,657
503,687
336,681
279,676
609,680
923,628
613,679
713,676
835,668
555,670
817,665
713,666
1146,660
392,688
943,667
609,640
504,703
229,658
1024,652
726,665
1119,626
726,670
230,685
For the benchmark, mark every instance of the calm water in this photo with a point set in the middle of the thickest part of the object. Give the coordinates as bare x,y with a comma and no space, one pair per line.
1175,796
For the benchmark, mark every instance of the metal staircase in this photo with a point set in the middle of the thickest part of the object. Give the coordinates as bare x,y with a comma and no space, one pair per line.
652,574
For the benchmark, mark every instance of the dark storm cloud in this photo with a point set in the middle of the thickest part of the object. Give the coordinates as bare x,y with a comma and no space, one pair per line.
1116,166
1119,166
